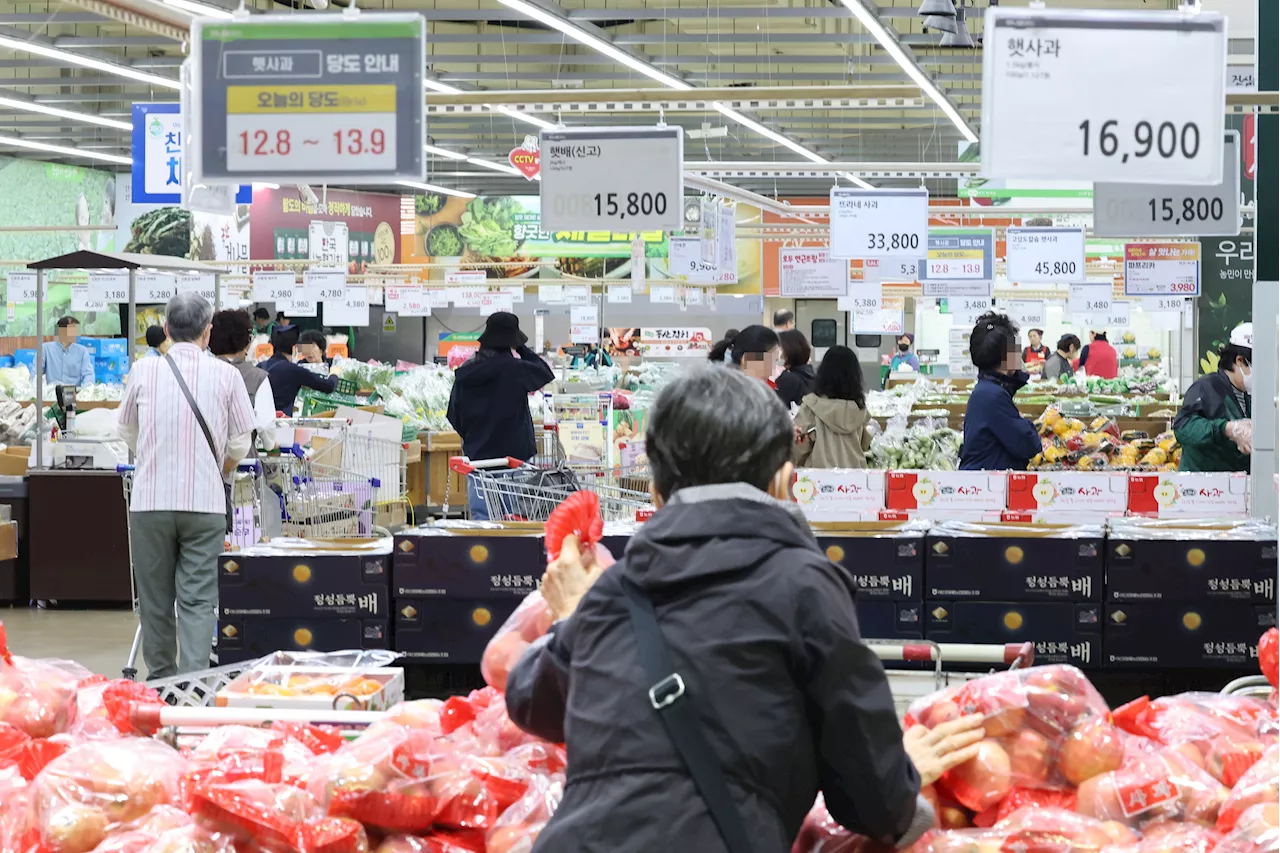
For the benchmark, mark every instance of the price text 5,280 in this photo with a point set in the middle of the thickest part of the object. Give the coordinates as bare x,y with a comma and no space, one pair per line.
1166,139
1188,210
634,204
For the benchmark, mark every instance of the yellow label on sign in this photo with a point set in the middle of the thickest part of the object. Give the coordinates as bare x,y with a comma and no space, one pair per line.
311,99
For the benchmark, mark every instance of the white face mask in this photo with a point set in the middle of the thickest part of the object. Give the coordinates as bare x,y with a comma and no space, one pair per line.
1248,382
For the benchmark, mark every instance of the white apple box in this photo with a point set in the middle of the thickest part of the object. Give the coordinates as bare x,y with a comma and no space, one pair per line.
1103,492
1178,494
970,491
838,494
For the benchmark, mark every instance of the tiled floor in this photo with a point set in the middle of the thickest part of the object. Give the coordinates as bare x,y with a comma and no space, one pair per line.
96,639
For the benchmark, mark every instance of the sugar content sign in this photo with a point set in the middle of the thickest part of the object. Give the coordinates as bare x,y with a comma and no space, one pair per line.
624,180
325,99
1156,84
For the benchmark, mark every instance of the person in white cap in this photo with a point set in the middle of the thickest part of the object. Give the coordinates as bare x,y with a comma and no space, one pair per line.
1214,425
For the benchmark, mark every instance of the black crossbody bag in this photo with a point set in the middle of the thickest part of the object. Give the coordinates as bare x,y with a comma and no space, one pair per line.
208,436
679,717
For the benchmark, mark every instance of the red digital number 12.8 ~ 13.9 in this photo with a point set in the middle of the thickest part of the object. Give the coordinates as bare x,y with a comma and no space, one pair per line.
311,143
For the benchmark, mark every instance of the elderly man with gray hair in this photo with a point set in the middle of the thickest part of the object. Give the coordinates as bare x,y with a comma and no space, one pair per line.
188,418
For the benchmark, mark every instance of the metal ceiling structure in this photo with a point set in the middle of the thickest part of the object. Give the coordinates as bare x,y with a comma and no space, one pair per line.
70,70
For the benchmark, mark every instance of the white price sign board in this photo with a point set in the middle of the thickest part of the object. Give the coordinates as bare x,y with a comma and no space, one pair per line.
154,287
1044,254
684,261
551,294
459,278
965,310
809,273
305,301
201,283
108,287
351,310
273,286
1155,84
624,179
1027,313
1162,269
1115,317
406,301
85,298
886,319
619,294
878,223
890,269
948,289
584,324
577,294
862,294
493,301
662,294
22,287
1163,304
437,297
325,286
1088,299
1173,210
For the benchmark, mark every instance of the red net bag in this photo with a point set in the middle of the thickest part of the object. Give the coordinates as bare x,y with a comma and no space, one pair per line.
518,827
275,817
1256,831
1162,786
1259,784
37,696
380,779
821,834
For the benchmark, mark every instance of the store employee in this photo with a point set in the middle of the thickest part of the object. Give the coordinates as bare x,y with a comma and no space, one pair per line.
65,361
1215,424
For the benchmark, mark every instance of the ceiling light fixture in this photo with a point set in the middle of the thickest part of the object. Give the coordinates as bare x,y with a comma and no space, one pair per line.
200,10
33,107
596,43
959,37
941,23
38,49
872,23
446,89
497,167
444,152
944,8
65,152
432,188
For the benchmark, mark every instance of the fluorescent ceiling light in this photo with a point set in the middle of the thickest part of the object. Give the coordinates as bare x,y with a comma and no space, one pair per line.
65,152
446,89
33,107
37,49
497,167
766,132
437,86
856,181
200,10
444,152
432,188
872,23
596,43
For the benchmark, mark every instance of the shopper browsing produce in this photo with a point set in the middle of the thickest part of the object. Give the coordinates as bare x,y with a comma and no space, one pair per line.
189,420
65,361
1101,359
796,380
288,378
754,351
230,339
996,436
904,358
1059,364
489,403
1214,425
831,426
157,342
759,626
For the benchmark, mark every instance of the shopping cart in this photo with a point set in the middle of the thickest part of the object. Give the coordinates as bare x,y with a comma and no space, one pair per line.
247,529
518,491
382,461
909,685
1250,685
320,501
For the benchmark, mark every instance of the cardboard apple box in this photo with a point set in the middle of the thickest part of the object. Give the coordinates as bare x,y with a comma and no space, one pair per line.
838,494
1175,494
934,491
1086,491
982,516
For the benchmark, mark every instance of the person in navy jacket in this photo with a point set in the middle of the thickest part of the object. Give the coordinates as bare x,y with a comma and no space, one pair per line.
996,436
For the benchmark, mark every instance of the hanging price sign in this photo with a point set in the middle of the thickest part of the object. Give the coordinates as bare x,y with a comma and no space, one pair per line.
326,285
878,223
85,298
619,294
198,282
965,310
1088,299
304,302
809,273
108,287
1027,313
958,255
273,286
662,294
684,262
1162,269
862,295
887,318
1044,254
22,286
1115,317
890,269
577,294
1156,87
584,324
154,287
1173,210
1163,304
351,310
406,301
551,294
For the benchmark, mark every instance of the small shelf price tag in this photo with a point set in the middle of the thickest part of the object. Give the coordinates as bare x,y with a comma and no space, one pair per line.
198,282
1156,87
878,223
154,287
273,286
1162,269
1044,254
108,287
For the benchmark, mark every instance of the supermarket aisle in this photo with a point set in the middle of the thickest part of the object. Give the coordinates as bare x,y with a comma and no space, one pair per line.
96,639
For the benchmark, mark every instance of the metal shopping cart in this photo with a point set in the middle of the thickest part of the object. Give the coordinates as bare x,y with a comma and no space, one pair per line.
518,491
247,529
909,685
381,461
319,501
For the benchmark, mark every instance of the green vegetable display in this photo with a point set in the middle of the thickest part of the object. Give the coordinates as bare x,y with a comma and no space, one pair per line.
488,226
166,231
922,446
428,203
443,241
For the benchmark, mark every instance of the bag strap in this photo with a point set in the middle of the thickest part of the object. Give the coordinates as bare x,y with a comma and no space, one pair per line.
679,717
204,427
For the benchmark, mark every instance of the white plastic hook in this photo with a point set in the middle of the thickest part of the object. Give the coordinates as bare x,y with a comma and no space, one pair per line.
662,117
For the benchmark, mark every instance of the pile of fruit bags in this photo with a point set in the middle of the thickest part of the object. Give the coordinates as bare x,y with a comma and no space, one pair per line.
1068,443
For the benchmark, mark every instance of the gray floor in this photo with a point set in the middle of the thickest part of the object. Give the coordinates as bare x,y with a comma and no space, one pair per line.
96,639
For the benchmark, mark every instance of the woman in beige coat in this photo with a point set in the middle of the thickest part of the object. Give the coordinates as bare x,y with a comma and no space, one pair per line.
831,425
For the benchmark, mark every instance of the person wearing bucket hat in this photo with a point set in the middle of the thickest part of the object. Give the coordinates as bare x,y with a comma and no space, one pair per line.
1214,425
489,404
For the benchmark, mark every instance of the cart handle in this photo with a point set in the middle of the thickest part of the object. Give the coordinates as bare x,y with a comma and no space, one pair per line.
253,466
1009,654
463,465
151,717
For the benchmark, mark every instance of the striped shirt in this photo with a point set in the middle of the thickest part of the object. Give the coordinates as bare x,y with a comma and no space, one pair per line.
175,470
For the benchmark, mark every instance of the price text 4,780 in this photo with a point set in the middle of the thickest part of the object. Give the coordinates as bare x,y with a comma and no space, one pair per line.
1166,139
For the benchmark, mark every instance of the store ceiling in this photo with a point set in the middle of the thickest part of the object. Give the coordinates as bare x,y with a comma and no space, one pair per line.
481,44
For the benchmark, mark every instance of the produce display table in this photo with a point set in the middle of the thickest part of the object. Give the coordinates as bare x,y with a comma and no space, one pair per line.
437,448
78,541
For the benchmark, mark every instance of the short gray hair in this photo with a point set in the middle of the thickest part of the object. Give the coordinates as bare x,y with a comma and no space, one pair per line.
187,316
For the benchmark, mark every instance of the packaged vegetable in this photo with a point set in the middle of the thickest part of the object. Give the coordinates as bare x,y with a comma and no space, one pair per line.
1256,831
278,818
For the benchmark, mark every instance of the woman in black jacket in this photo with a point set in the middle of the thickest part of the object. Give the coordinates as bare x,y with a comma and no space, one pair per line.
762,635
798,378
489,403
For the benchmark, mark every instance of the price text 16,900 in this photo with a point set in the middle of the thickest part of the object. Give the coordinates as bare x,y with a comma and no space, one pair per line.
1166,139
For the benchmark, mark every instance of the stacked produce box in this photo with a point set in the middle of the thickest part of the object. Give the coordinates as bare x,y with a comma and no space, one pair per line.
110,358
886,561
273,598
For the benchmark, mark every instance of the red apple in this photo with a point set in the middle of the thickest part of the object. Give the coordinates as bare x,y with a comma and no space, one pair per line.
1090,749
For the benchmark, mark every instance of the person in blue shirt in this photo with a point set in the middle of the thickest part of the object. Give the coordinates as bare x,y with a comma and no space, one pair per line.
287,378
65,361
996,436
157,342
904,355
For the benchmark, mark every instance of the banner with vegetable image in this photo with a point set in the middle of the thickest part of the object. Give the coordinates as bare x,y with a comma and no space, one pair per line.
282,224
